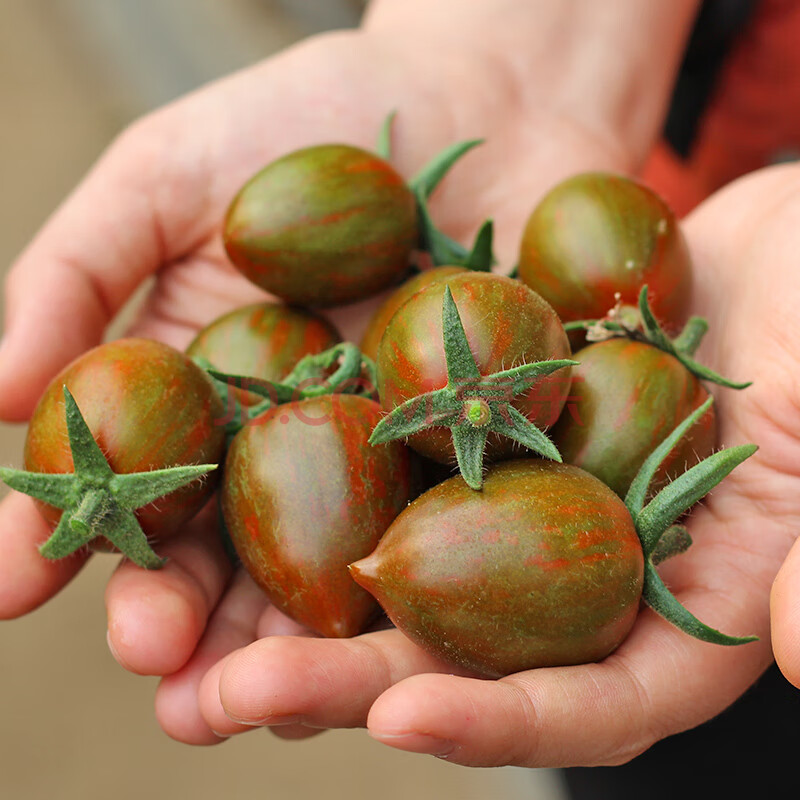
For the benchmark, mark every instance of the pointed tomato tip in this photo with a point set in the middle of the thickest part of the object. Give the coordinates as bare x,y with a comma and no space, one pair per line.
365,571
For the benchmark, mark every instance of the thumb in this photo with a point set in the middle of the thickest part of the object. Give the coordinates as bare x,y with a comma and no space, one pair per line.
77,273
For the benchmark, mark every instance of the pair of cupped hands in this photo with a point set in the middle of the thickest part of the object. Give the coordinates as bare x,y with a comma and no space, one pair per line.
153,206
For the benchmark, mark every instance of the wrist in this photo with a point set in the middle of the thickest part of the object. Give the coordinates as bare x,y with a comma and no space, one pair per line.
608,67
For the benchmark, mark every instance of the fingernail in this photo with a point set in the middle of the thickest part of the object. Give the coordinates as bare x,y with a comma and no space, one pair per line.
222,736
272,721
417,743
113,649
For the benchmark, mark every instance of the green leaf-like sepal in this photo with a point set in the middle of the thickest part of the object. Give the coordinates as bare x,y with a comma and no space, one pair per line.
689,339
443,250
675,540
354,374
481,257
663,602
96,501
679,496
655,522
430,176
471,405
274,392
656,335
640,485
682,347
383,146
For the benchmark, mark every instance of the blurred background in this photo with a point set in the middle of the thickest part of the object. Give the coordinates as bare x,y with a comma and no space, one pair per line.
73,724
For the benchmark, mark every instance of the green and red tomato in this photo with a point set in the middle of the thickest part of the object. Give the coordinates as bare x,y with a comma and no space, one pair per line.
543,567
506,325
595,239
304,495
148,407
265,341
626,397
323,226
379,321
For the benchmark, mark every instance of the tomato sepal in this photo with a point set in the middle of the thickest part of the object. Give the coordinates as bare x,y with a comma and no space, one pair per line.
655,521
641,325
658,597
471,405
95,500
353,373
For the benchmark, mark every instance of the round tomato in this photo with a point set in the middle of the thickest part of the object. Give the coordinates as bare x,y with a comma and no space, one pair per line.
303,495
626,398
543,567
323,226
148,407
262,341
598,237
506,324
380,319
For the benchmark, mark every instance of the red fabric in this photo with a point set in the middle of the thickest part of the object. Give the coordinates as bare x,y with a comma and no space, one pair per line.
753,116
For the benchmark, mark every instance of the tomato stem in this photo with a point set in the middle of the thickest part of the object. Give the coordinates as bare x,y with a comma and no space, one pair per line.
88,516
682,347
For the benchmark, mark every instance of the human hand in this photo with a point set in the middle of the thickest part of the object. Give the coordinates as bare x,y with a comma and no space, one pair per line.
659,681
548,106
785,616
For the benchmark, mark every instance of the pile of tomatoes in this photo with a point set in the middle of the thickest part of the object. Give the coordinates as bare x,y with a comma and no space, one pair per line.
502,501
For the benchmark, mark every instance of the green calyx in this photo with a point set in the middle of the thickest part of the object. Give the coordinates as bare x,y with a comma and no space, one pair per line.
641,325
471,405
442,249
95,500
655,522
342,369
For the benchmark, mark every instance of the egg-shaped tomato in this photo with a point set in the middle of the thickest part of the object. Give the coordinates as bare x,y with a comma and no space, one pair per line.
303,495
595,239
148,406
323,226
506,325
626,398
543,567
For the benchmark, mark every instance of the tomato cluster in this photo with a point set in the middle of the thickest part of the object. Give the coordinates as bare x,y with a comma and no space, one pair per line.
571,473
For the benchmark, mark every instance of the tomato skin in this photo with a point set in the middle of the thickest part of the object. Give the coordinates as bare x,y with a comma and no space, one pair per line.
543,567
380,319
149,407
626,398
596,234
323,226
506,324
265,340
302,499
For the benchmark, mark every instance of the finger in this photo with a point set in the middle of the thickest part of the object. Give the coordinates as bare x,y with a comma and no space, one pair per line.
275,623
223,726
323,683
785,615
64,289
232,625
157,617
659,682
272,622
27,579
